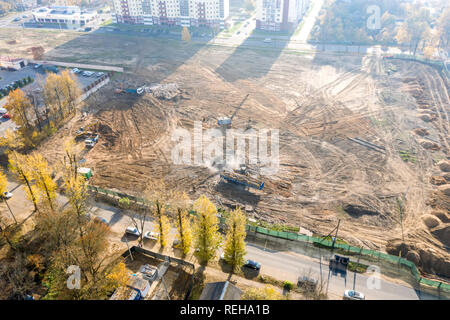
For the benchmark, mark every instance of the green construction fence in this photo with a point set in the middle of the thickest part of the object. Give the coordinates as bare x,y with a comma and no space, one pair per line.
304,238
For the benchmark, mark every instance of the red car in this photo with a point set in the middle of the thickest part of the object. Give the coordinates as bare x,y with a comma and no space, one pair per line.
6,116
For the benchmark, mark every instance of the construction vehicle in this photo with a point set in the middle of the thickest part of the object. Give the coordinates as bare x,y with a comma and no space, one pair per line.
241,177
91,140
137,91
226,121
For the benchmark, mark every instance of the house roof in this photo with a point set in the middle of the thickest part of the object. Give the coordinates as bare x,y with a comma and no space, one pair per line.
220,291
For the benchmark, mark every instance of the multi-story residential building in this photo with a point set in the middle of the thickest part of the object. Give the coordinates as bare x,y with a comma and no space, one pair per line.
211,13
276,15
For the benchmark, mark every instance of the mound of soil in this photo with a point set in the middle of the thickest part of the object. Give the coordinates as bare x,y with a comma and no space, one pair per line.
430,220
430,145
445,188
442,233
442,215
429,260
446,176
444,165
438,180
421,132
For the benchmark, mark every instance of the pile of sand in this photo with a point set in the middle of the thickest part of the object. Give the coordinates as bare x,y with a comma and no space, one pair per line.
430,220
438,180
444,165
421,132
442,215
430,145
445,188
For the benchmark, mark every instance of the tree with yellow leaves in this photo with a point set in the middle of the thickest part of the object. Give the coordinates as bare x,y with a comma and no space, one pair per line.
3,189
185,35
71,89
54,94
42,176
119,276
19,108
18,164
159,196
206,230
162,226
234,247
184,235
268,292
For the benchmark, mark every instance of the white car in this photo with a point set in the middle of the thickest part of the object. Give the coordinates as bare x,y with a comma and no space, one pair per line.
7,195
151,235
3,110
133,231
75,70
353,295
267,40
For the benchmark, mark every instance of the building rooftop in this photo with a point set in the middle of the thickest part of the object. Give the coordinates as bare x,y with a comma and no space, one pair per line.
221,291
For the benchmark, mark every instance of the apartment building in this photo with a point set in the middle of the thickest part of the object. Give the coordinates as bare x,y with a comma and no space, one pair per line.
277,15
210,13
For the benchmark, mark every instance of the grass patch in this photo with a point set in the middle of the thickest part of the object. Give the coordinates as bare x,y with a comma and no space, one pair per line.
274,226
357,267
408,156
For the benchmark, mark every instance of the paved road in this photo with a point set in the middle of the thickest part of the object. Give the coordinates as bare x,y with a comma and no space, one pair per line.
309,21
279,264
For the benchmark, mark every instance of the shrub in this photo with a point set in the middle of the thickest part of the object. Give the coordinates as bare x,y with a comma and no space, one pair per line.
288,285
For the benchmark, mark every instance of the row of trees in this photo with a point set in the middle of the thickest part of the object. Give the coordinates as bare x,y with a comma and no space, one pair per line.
36,116
63,236
400,23
200,232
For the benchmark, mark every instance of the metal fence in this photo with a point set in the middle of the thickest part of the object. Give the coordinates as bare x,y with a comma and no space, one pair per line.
308,239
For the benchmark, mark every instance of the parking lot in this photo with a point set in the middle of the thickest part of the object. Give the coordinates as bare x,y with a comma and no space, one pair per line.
7,77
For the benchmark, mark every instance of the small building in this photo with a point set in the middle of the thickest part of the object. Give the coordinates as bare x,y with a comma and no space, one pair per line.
65,16
13,63
137,288
221,291
85,172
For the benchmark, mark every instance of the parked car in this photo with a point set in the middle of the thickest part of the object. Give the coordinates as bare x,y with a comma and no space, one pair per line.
7,195
37,66
151,235
3,110
133,231
353,295
76,70
16,19
267,40
252,265
6,116
306,282
88,73
99,74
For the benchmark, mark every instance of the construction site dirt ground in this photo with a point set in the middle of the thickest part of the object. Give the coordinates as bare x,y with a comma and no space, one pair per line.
359,137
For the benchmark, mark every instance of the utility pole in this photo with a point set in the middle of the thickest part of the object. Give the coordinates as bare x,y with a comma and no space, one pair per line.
335,237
